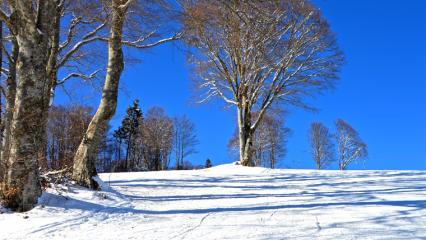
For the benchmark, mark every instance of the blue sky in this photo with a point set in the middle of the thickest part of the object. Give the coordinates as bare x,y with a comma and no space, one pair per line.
382,91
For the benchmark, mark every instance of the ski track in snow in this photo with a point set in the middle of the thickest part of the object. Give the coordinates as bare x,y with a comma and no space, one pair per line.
232,202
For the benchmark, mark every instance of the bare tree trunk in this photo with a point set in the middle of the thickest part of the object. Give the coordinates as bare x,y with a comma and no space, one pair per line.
10,104
128,149
85,158
245,136
52,74
2,120
33,34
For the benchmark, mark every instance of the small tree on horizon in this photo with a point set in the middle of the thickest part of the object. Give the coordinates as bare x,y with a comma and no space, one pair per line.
350,146
184,139
208,163
322,147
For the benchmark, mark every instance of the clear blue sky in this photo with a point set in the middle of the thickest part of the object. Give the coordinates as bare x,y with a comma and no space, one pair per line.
382,92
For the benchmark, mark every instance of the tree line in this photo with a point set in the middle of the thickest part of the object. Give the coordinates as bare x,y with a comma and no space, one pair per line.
143,142
256,56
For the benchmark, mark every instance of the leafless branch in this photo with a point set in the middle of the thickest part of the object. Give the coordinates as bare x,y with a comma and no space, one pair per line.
78,75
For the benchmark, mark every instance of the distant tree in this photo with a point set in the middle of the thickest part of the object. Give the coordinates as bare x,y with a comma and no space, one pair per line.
187,165
157,136
321,145
106,153
208,163
256,55
129,132
65,129
119,136
350,146
184,139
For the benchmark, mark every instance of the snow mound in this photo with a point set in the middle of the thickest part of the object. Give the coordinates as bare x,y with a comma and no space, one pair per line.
231,202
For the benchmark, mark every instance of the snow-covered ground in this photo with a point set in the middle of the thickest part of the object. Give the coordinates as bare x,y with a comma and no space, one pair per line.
232,202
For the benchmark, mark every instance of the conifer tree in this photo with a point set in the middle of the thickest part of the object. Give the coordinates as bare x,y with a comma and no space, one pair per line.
208,163
128,132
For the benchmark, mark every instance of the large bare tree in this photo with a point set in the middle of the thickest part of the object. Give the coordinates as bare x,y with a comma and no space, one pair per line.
322,147
350,146
143,12
256,54
74,25
35,53
85,158
30,23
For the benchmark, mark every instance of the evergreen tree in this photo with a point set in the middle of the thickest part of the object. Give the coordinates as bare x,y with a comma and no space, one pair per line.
128,132
208,163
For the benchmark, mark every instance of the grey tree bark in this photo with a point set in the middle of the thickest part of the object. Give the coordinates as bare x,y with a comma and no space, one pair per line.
85,158
245,136
1,108
33,31
52,76
10,103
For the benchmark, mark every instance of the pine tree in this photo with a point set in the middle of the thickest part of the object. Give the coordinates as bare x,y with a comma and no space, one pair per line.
128,132
208,163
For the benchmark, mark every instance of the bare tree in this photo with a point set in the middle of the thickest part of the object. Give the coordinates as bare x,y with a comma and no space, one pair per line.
273,137
184,139
255,54
322,147
106,154
2,93
9,92
31,26
33,55
350,146
157,135
63,53
85,157
65,129
76,24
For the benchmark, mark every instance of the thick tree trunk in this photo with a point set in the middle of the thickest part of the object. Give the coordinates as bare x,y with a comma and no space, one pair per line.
33,34
2,119
52,75
245,136
85,158
10,104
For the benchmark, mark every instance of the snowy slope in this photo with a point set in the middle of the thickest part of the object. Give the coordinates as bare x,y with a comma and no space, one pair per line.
232,202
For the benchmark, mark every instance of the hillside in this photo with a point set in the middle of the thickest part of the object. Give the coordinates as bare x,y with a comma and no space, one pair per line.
231,202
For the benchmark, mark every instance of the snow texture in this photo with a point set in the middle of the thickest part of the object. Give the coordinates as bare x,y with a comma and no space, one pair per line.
231,202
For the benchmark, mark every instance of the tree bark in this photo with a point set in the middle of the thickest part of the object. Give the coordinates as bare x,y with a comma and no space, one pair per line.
10,104
85,158
2,120
33,34
245,136
52,76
